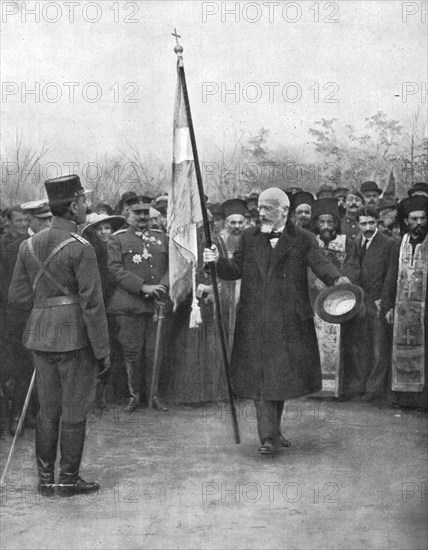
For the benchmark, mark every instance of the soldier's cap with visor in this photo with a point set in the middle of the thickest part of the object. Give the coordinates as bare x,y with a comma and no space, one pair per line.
328,205
355,192
340,192
325,189
38,209
64,189
139,202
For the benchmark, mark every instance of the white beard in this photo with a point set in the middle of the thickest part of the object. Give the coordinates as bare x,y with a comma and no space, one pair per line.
266,227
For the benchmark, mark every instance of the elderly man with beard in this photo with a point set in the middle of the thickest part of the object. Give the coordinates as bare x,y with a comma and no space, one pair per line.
367,364
302,209
354,200
275,353
404,300
336,248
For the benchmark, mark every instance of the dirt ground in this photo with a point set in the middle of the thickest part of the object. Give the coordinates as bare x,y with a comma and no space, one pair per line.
355,477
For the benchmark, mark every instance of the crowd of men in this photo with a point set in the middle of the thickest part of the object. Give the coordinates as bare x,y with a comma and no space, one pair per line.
79,281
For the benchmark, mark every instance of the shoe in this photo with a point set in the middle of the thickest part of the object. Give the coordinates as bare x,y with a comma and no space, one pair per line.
46,490
80,487
131,406
267,448
159,405
282,442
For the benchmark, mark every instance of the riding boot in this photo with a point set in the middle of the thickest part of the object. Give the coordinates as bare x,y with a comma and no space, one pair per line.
46,448
72,441
133,372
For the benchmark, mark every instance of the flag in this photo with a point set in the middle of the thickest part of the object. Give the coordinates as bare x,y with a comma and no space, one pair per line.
184,213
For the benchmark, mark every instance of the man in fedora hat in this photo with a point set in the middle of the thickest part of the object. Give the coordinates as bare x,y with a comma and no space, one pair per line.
275,353
56,277
418,188
367,356
371,193
138,265
404,300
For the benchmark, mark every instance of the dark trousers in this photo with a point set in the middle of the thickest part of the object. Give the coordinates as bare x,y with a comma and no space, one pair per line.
368,355
137,337
269,415
65,384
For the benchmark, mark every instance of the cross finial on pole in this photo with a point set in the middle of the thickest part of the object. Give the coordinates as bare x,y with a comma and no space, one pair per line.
177,36
178,48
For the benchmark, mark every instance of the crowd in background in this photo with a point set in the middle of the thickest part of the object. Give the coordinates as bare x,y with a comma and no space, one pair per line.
345,222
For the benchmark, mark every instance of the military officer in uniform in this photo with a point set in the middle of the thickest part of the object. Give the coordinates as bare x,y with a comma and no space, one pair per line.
137,259
57,279
38,217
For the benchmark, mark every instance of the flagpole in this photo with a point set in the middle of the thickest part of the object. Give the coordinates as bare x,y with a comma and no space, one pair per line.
213,268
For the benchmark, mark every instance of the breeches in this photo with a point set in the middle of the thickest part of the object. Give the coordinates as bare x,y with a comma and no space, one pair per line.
65,383
137,337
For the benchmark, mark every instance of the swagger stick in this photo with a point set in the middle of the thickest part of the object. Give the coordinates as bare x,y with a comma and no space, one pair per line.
18,429
213,269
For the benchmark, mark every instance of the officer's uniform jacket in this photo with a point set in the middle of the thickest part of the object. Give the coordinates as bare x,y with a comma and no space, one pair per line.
135,258
349,227
67,319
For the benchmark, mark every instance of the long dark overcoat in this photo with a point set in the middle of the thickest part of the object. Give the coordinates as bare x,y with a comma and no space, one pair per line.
275,352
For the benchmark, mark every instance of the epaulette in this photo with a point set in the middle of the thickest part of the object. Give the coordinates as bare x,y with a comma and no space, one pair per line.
119,231
79,238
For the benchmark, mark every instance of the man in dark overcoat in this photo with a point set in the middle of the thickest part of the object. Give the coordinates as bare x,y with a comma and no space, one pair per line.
56,278
275,352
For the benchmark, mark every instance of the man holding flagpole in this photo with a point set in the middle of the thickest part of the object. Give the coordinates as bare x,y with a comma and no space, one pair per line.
275,353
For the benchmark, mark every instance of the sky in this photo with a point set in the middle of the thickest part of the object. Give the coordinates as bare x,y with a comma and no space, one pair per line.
290,64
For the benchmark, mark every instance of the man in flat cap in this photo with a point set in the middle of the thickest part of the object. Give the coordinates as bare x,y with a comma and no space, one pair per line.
301,204
137,259
275,353
404,300
38,217
56,277
367,354
354,200
371,193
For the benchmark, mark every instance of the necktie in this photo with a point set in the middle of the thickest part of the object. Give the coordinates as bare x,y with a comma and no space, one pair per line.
363,251
275,234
